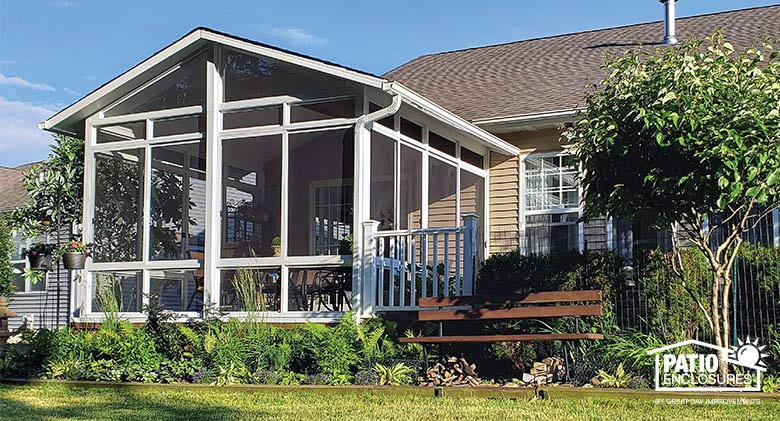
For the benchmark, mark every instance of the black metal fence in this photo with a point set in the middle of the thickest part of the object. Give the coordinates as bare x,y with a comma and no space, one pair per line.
754,296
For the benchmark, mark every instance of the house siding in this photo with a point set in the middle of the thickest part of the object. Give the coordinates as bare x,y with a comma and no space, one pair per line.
505,179
50,308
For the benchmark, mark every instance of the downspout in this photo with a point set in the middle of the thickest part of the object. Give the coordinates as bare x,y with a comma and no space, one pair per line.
362,192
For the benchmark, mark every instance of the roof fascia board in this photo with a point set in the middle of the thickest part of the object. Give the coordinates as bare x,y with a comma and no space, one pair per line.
535,121
425,105
330,69
126,77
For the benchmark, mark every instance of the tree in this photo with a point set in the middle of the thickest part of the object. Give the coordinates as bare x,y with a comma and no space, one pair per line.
679,136
54,188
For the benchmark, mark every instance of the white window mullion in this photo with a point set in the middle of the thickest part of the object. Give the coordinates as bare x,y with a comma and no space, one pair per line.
147,219
285,212
212,248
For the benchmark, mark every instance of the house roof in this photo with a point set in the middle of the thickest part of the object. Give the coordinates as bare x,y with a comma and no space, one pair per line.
70,120
549,75
12,191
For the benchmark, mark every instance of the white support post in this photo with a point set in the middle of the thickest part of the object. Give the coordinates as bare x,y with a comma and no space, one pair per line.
469,252
361,193
365,298
776,226
213,183
610,234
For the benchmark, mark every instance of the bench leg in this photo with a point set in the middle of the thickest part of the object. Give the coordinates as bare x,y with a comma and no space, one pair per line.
566,360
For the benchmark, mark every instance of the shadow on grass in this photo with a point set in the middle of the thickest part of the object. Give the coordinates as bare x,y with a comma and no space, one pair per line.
115,404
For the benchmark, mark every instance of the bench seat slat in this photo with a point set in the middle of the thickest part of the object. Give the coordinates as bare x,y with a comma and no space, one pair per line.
531,298
511,313
536,337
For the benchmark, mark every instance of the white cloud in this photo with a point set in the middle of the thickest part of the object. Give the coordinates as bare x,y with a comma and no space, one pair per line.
21,140
63,3
296,36
17,81
72,92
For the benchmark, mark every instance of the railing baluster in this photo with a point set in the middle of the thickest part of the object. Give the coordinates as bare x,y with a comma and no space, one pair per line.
458,275
381,288
424,261
413,295
446,264
402,259
393,261
435,265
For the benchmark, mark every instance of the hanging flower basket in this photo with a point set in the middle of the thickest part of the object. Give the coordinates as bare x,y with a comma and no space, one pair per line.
74,260
39,255
74,254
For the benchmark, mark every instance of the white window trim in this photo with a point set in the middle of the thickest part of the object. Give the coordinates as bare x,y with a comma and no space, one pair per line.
524,212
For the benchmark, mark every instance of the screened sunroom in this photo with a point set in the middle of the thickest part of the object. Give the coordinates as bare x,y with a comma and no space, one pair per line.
225,177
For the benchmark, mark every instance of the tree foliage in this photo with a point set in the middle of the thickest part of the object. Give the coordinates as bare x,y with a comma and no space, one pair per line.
678,136
675,133
6,268
54,188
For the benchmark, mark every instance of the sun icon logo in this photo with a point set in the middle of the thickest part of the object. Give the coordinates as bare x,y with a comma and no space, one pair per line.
748,353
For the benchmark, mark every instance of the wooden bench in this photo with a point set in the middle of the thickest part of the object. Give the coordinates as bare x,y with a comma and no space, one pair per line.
538,305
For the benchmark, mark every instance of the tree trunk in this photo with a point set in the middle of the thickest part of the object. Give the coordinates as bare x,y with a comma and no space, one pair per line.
722,278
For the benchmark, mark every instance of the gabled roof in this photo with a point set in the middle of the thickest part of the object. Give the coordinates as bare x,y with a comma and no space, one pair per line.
548,75
70,120
12,191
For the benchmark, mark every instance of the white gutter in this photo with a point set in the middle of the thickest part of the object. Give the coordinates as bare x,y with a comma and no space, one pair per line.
438,112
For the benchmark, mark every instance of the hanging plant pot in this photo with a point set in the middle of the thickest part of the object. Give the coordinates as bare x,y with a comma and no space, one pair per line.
74,260
39,261
277,250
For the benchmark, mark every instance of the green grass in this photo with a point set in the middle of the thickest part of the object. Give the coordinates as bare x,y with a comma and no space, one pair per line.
48,402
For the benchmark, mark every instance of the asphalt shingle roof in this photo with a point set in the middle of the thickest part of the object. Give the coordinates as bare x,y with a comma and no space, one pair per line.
12,191
551,74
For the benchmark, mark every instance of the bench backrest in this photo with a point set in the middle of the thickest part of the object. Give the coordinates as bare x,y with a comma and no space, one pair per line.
531,306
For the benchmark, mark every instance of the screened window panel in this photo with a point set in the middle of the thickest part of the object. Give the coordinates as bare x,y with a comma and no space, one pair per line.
320,192
251,198
266,116
472,195
180,125
343,108
177,290
320,289
18,280
183,87
411,189
119,291
248,76
473,158
251,289
442,144
382,184
118,198
178,201
547,233
413,130
121,132
442,194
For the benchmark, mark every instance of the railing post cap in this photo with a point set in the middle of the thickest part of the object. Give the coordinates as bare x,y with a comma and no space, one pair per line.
370,223
469,216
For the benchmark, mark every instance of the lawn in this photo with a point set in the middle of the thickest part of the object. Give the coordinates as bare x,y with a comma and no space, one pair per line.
61,402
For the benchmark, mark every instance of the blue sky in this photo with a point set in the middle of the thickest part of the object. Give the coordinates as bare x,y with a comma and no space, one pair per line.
52,52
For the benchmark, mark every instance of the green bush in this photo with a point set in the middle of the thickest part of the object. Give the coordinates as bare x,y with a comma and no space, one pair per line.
6,268
209,352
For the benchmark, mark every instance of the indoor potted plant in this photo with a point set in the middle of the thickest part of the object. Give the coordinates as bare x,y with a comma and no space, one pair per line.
276,244
39,255
74,254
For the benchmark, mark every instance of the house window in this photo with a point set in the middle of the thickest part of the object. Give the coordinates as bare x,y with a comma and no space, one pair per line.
551,182
551,203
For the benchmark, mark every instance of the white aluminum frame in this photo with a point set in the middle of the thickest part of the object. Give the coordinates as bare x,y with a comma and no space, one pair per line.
214,135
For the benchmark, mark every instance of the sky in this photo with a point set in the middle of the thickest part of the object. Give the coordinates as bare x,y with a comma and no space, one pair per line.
53,52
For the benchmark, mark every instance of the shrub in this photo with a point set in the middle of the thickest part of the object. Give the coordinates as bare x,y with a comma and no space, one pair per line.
7,287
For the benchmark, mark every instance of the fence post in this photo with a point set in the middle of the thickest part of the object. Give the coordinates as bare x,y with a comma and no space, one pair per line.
469,252
368,273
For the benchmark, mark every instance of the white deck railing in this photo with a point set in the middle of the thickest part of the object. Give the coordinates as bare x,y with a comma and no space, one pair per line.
412,264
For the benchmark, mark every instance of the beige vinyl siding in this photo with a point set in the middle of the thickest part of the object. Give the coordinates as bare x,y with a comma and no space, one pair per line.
504,199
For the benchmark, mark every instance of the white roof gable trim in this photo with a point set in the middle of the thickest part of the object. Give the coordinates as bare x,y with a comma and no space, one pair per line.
412,98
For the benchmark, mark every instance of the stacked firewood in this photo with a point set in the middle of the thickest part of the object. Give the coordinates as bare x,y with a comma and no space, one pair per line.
548,371
452,372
